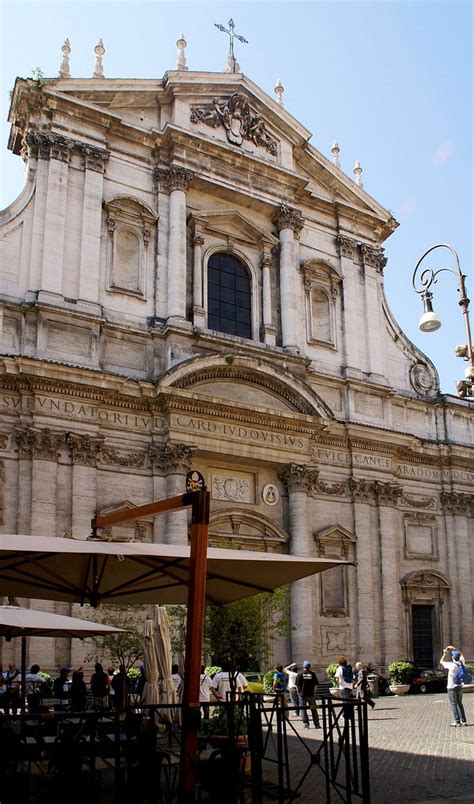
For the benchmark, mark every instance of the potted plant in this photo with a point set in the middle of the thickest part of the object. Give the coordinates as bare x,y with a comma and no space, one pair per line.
221,728
330,671
400,675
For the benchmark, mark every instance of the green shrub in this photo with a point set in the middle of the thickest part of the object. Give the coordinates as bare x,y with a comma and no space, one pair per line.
268,681
48,684
211,670
470,672
400,672
331,672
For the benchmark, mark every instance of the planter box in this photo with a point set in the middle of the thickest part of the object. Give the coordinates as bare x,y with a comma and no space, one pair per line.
399,689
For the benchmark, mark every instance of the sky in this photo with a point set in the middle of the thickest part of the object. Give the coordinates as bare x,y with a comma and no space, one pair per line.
390,81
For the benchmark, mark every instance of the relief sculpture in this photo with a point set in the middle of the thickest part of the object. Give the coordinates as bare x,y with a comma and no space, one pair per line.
239,122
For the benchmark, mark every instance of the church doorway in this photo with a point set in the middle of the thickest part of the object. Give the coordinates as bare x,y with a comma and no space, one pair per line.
423,635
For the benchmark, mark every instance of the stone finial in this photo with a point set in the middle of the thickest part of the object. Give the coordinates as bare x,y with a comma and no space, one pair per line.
358,174
99,51
279,90
64,68
335,150
181,57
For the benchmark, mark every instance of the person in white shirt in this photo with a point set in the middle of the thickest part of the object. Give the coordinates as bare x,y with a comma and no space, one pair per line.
452,660
292,671
205,685
342,676
34,688
225,682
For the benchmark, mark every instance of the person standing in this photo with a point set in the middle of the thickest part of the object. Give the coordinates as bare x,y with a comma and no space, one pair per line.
361,685
345,677
60,690
205,685
306,682
120,684
453,661
227,681
34,688
78,692
100,684
292,672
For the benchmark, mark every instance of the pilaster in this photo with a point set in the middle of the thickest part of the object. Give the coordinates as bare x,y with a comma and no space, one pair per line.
174,461
199,312
289,223
89,275
176,180
85,450
269,331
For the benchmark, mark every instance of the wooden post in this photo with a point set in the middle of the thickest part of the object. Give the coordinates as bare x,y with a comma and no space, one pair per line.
194,629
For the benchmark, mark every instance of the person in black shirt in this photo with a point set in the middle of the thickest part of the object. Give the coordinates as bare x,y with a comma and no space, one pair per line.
306,682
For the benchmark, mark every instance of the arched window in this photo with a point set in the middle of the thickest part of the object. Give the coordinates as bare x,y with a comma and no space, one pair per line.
229,306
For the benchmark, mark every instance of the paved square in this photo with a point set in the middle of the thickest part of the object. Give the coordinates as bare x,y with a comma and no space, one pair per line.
415,755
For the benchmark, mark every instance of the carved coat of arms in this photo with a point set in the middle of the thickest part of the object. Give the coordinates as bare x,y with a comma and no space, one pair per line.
236,117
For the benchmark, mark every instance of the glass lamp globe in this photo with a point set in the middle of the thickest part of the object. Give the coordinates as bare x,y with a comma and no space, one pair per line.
429,322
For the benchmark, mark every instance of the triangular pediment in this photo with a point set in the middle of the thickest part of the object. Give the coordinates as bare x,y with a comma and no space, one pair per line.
229,223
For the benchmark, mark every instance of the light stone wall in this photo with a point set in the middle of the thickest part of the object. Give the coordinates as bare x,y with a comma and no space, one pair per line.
110,396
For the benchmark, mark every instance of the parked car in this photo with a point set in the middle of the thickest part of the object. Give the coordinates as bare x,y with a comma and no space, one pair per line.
424,681
255,682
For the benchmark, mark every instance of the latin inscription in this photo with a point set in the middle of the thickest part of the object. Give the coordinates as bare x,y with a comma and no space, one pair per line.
237,431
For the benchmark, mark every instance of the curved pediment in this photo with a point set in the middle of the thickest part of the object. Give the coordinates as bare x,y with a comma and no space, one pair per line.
244,380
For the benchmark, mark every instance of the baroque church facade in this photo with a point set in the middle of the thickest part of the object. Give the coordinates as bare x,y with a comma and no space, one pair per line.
188,284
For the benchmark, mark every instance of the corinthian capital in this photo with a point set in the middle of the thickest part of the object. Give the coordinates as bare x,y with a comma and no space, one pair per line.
369,491
373,256
288,218
174,178
299,477
456,502
94,158
43,445
84,448
171,458
347,246
48,145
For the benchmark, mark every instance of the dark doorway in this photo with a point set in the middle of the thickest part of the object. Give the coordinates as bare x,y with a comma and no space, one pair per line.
422,624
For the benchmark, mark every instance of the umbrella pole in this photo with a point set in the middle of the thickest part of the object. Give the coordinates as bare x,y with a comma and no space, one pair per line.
194,628
23,675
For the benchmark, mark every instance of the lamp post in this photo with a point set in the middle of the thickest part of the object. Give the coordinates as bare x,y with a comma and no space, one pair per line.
430,321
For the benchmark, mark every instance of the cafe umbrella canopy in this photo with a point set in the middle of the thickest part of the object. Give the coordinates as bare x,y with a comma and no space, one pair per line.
94,572
17,621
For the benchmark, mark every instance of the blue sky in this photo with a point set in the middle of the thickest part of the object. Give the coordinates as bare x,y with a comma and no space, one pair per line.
391,81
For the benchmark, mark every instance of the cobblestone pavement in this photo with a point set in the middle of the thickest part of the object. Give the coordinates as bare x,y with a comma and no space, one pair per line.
415,755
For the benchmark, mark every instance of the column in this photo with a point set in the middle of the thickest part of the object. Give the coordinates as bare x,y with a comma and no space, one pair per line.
289,222
352,315
24,480
60,149
176,181
158,490
199,312
175,461
373,262
89,272
457,508
84,452
391,611
40,153
366,572
269,332
45,446
300,479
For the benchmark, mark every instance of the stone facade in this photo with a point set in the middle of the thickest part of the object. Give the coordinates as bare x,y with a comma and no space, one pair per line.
322,433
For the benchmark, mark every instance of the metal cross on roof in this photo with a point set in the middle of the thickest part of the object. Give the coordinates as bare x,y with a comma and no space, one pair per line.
232,36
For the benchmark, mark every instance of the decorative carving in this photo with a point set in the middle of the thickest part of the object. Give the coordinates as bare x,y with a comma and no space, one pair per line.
347,246
195,481
99,51
299,477
84,448
171,458
235,116
47,145
181,56
418,502
373,256
331,488
3,441
334,640
424,586
456,502
94,158
236,489
110,456
64,68
374,490
174,178
270,494
2,487
424,379
43,445
288,218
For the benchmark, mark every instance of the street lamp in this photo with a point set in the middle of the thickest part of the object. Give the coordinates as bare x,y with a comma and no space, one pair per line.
430,321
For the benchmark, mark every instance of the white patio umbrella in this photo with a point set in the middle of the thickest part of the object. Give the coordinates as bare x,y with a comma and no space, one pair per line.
169,693
151,694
